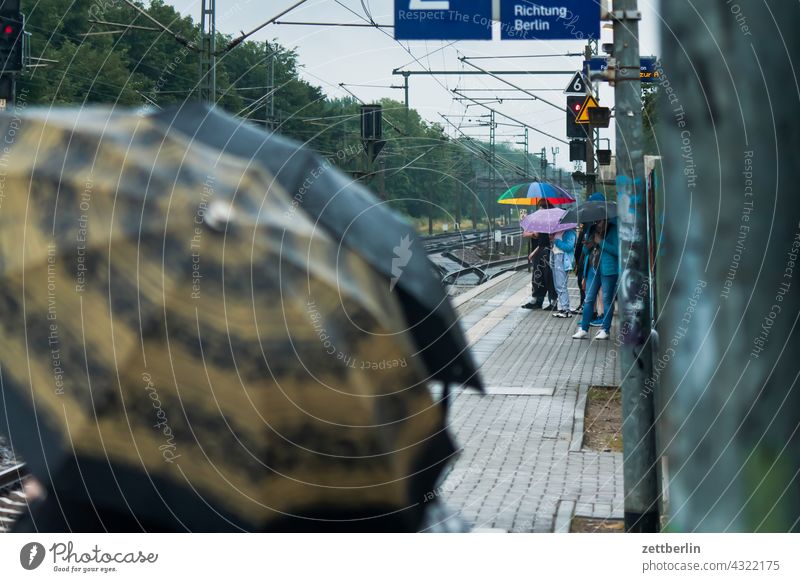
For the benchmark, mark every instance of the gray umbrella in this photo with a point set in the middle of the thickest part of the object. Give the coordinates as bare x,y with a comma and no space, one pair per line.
591,211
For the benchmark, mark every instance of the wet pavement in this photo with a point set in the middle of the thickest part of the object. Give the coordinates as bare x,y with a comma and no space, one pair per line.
523,467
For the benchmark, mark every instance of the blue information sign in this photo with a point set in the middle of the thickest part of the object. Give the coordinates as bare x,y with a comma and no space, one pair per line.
550,19
443,19
648,67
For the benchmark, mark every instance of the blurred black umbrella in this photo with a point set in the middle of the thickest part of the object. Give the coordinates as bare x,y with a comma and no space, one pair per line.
350,214
590,211
183,347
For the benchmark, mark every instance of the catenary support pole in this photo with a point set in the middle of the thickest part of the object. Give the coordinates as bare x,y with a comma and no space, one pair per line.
591,168
269,103
635,353
208,57
490,198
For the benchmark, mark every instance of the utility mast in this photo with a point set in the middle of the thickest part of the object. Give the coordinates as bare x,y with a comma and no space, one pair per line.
635,355
269,104
208,48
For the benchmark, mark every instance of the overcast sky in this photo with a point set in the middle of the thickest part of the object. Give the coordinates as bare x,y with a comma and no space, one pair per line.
357,56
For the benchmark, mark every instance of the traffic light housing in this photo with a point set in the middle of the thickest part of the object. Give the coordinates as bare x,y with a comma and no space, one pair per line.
577,150
371,122
372,130
574,105
11,41
599,117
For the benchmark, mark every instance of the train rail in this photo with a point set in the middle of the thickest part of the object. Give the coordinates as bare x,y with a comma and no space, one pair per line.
444,242
12,498
486,271
452,268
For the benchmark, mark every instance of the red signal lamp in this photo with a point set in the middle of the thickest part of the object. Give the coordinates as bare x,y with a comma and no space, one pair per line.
8,30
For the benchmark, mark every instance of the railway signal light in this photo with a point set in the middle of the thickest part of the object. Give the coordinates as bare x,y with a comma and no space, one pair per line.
574,105
11,53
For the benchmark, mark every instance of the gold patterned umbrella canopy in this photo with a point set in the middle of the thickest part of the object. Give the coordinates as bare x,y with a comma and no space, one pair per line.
182,348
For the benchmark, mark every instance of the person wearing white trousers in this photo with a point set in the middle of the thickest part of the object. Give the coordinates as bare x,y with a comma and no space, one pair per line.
561,259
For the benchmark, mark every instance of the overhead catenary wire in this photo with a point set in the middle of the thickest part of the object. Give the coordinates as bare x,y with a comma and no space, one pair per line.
334,24
501,89
179,38
371,86
464,59
131,26
81,40
239,39
406,49
483,150
542,56
514,119
430,53
256,102
360,100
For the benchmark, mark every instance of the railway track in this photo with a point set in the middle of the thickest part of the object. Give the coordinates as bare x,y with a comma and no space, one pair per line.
12,498
444,242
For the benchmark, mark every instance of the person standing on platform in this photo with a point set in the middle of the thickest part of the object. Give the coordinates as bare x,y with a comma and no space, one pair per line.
561,262
542,278
605,277
583,251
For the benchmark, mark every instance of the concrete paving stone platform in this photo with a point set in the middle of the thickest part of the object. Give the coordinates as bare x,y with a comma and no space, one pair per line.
522,468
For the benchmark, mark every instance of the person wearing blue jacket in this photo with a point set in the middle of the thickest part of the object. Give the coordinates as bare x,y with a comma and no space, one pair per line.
561,258
605,276
582,248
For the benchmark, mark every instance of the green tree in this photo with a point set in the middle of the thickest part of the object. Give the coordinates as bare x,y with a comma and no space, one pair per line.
426,173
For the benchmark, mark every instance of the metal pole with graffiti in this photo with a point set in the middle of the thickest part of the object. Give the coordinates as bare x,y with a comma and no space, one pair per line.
636,359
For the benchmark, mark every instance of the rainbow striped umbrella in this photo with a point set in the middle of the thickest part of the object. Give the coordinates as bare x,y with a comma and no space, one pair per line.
530,193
